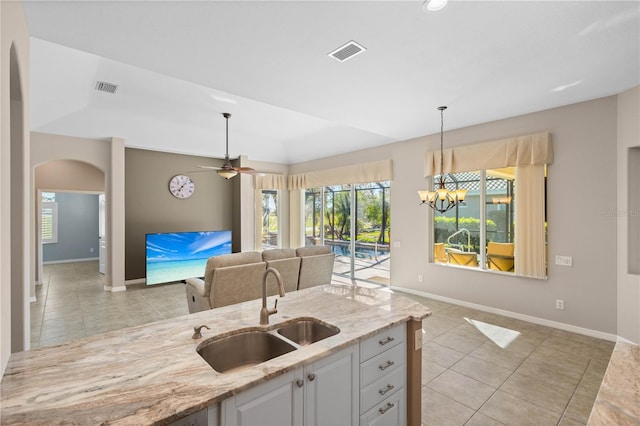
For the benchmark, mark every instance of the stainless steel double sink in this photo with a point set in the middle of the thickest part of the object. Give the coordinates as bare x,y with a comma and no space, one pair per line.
250,347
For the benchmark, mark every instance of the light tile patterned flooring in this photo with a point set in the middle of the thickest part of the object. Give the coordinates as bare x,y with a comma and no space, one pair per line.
478,368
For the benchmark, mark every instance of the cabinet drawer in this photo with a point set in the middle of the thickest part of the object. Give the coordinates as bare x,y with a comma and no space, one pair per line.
382,341
384,363
390,412
381,389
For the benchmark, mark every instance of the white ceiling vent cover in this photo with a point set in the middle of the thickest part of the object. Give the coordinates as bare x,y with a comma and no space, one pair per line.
347,51
103,86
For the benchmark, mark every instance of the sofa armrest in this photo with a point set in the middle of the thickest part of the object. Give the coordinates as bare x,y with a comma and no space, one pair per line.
197,284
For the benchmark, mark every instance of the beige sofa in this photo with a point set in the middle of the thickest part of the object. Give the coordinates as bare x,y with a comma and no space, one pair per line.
316,265
237,277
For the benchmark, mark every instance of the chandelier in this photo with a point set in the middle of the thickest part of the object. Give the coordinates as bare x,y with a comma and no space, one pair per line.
442,199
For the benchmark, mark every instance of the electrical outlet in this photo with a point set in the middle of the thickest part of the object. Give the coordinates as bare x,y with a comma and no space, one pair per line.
564,260
559,304
91,250
419,278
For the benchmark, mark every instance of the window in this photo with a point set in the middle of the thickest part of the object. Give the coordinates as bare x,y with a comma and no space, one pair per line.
481,233
49,218
270,235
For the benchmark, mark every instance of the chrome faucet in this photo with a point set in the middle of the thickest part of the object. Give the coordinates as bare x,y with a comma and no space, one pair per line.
265,312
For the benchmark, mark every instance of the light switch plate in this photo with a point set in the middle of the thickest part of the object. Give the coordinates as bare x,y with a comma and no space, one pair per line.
418,339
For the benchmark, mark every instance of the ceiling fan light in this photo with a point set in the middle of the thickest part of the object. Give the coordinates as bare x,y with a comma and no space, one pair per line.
227,174
434,5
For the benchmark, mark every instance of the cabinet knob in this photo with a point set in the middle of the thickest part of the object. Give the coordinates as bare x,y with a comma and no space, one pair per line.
386,408
387,365
311,377
300,383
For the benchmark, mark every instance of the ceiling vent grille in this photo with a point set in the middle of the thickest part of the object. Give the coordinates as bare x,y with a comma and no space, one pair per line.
347,51
103,86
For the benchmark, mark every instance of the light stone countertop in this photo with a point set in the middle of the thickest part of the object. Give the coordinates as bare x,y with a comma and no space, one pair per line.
618,400
151,374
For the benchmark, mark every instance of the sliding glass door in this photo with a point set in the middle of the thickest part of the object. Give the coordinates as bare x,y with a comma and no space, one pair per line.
355,221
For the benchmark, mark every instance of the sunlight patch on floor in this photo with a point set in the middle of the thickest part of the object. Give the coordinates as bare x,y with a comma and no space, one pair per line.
499,335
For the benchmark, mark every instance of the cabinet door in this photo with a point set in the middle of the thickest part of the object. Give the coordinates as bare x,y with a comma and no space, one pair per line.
277,402
390,412
332,390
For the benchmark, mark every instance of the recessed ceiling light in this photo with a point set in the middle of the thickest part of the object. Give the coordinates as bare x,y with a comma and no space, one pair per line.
434,5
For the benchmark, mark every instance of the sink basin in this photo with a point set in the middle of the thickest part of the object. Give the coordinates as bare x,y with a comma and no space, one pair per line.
307,331
242,350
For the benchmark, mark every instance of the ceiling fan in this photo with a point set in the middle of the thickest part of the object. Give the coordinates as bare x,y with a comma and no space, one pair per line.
227,171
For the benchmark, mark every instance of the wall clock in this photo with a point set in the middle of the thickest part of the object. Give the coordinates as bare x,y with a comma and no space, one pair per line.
181,186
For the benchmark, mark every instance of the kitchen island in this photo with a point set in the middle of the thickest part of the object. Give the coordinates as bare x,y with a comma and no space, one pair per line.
151,374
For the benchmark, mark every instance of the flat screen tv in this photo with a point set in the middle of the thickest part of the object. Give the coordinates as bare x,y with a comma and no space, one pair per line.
177,256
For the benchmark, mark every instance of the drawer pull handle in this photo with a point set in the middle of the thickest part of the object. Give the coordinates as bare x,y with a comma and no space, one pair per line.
385,390
387,340
311,377
388,407
387,365
300,383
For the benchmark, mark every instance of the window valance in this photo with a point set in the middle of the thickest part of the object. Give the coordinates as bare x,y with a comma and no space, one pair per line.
535,149
376,171
269,181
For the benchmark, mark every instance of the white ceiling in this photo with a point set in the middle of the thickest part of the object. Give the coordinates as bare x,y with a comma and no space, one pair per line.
180,64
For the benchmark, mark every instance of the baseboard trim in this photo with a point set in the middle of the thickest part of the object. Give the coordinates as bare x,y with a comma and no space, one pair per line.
136,281
627,341
115,289
535,320
86,259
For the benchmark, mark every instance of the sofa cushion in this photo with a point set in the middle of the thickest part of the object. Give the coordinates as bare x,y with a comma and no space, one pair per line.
276,254
313,250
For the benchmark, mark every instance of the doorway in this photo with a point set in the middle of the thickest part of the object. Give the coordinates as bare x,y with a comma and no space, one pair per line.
354,219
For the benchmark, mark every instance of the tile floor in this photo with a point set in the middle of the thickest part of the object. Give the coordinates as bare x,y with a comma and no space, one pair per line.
478,368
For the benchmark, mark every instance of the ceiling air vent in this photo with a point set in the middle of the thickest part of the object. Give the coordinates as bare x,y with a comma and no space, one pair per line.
103,86
347,51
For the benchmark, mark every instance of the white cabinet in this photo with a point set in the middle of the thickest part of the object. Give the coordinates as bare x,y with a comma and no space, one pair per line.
322,393
207,417
277,402
331,389
383,377
392,411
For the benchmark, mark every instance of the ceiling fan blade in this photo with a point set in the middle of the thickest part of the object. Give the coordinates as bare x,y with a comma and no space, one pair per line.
244,170
209,167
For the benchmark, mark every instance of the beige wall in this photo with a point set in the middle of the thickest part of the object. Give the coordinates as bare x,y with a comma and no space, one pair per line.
584,138
628,215
151,208
14,318
68,175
